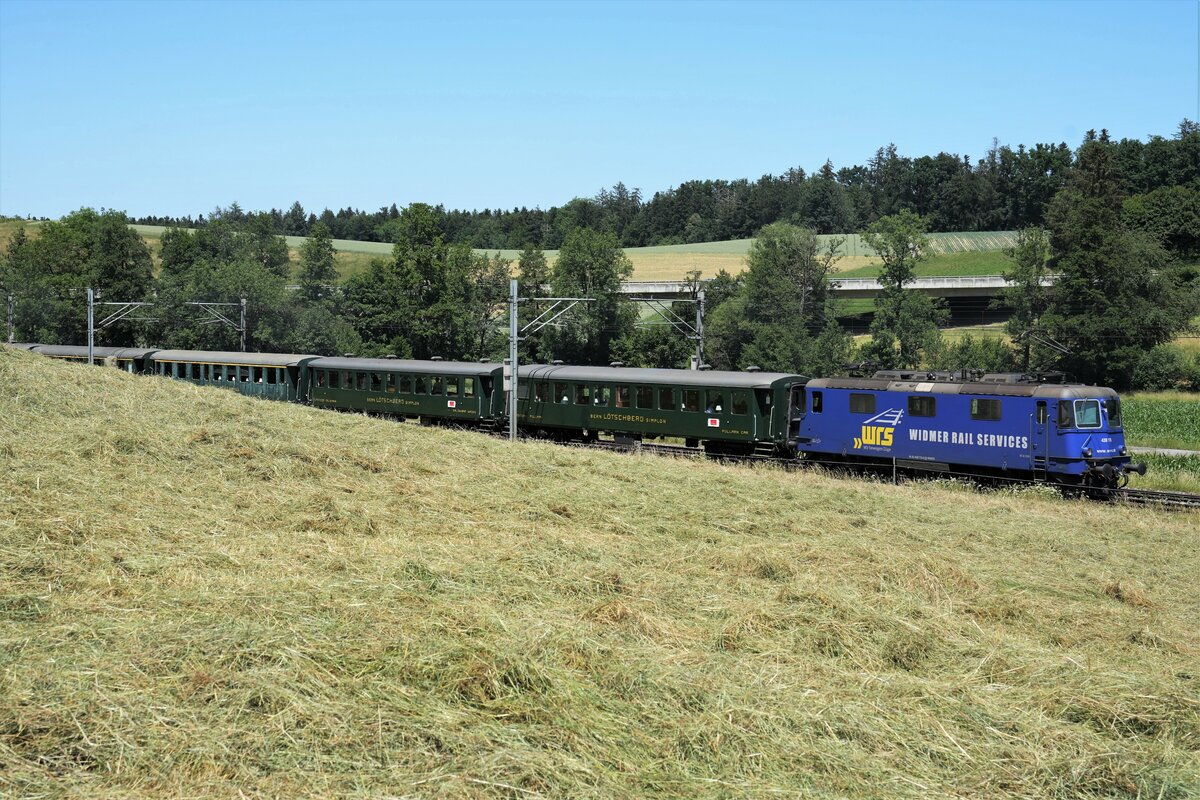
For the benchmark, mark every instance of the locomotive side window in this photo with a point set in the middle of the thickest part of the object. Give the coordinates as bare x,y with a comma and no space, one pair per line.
741,403
818,402
1066,414
1042,416
987,410
862,403
645,397
666,399
920,405
691,399
1087,413
1113,406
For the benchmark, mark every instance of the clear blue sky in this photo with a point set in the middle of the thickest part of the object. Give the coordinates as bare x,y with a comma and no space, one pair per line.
175,108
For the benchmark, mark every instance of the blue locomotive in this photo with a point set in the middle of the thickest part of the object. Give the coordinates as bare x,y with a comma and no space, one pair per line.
993,424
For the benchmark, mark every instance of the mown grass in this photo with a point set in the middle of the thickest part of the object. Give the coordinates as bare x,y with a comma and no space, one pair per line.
203,595
1162,419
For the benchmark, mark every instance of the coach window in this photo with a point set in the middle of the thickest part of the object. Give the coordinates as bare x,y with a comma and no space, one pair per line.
920,405
691,399
601,396
862,403
714,402
321,379
406,386
666,399
333,379
376,382
244,374
1087,413
452,386
469,387
361,381
583,394
391,383
562,393
256,373
270,375
347,379
541,391
740,402
645,397
420,385
437,385
623,397
987,410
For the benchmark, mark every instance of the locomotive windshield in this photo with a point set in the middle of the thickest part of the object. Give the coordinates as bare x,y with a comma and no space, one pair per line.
1087,413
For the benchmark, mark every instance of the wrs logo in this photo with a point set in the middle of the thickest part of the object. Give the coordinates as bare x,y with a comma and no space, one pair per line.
876,434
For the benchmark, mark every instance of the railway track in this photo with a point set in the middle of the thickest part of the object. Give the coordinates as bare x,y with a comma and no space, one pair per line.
1181,501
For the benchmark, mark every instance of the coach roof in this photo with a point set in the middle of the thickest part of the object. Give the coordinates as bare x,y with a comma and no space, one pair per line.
405,365
674,377
249,359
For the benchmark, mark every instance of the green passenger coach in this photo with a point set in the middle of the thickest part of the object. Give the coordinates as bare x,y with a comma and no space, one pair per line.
274,376
429,390
729,412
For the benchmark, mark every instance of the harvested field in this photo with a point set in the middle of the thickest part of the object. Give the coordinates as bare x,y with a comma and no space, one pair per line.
205,595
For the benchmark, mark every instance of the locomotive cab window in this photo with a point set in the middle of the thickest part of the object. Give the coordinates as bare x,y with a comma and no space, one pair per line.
1066,414
920,405
818,402
1087,413
862,403
1113,406
987,410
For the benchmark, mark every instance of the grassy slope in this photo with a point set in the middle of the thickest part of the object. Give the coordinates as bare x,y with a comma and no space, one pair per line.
205,595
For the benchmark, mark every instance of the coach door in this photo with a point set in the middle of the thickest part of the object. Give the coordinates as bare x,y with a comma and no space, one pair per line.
1039,438
796,410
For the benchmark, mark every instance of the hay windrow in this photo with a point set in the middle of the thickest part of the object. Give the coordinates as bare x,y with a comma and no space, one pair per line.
204,595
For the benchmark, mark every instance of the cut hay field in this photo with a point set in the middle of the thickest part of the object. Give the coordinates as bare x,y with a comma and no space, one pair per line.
203,595
954,254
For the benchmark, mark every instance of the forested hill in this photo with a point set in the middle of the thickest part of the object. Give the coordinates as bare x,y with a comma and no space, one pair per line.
1005,189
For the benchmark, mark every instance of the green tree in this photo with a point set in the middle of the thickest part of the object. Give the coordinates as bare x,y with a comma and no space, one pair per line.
786,288
905,323
318,270
533,276
590,264
49,277
1117,296
1026,295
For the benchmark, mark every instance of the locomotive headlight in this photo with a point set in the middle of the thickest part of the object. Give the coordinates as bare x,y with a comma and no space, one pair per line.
1087,452
1124,450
